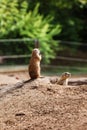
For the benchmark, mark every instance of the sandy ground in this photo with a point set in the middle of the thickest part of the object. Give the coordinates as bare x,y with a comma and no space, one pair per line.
40,105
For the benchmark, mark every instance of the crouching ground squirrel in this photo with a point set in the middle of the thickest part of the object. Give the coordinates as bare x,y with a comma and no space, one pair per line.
63,80
34,66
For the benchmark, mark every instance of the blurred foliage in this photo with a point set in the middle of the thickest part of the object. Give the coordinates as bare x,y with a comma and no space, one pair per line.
71,14
17,21
47,21
83,1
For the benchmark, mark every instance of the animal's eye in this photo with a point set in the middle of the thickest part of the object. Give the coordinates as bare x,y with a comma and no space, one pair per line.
36,51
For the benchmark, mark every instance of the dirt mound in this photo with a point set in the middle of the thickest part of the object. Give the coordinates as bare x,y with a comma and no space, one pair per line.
41,105
5,79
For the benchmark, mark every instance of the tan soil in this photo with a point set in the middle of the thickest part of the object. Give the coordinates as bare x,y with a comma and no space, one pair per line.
5,79
40,105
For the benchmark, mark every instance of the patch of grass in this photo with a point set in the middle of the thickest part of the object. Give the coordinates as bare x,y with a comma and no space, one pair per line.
57,70
47,70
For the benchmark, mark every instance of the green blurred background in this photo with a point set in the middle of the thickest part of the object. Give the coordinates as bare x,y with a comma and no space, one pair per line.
60,26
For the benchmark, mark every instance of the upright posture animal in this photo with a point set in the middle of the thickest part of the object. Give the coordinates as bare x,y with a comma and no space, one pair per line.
34,66
64,78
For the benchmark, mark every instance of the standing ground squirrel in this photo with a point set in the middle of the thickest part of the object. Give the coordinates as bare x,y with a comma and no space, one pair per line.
34,66
64,78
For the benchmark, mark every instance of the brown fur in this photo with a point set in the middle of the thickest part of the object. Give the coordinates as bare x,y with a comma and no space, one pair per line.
34,66
64,78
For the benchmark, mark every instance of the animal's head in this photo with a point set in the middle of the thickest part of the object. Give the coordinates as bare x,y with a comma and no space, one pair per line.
66,75
36,54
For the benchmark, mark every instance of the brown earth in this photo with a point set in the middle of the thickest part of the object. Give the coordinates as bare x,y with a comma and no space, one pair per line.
41,105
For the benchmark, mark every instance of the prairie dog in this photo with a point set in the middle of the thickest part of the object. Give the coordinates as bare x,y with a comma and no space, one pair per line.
64,78
34,66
